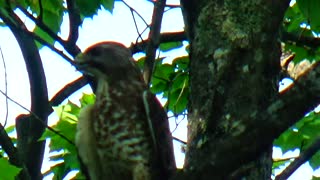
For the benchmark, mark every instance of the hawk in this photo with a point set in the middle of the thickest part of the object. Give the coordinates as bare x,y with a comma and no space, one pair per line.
125,134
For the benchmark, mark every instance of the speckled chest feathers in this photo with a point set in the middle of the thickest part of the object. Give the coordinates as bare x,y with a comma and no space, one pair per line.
120,127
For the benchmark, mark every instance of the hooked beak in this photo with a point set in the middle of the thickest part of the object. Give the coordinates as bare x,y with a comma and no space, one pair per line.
80,62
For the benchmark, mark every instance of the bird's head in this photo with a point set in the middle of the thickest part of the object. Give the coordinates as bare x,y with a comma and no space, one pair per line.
109,60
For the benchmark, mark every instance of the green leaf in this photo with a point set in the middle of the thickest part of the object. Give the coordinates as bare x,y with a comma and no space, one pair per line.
158,86
87,99
140,62
10,129
170,45
289,140
88,8
301,53
68,129
315,178
63,150
177,101
38,31
108,5
8,171
301,135
161,78
315,161
293,19
181,81
21,3
181,63
164,71
79,175
310,9
52,18
66,126
60,171
309,128
53,14
72,161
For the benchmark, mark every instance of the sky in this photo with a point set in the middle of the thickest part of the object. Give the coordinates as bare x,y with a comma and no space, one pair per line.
104,26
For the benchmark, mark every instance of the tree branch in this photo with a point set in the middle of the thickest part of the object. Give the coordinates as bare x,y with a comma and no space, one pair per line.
164,37
67,90
267,126
40,24
8,147
74,22
45,43
38,91
72,49
154,39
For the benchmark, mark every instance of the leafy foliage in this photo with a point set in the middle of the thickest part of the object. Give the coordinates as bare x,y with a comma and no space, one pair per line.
298,21
170,46
301,135
62,147
171,81
5,166
310,10
90,8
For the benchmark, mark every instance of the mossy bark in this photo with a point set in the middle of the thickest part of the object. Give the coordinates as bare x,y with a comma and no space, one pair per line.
234,69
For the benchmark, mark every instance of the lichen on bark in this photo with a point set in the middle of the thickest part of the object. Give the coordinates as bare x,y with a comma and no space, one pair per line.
234,64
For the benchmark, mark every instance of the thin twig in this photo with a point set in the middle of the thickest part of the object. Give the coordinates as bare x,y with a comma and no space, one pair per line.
179,140
137,28
5,86
37,118
45,43
177,123
132,10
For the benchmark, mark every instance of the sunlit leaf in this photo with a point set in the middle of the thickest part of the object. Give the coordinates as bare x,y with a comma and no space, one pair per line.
87,99
310,9
289,140
170,45
10,129
181,63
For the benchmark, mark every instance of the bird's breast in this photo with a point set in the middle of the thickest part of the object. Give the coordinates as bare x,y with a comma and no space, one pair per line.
122,135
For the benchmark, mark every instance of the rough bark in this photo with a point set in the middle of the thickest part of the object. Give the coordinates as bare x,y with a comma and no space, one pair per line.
234,69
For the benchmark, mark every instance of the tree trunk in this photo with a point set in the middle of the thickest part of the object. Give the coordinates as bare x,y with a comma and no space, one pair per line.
234,74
